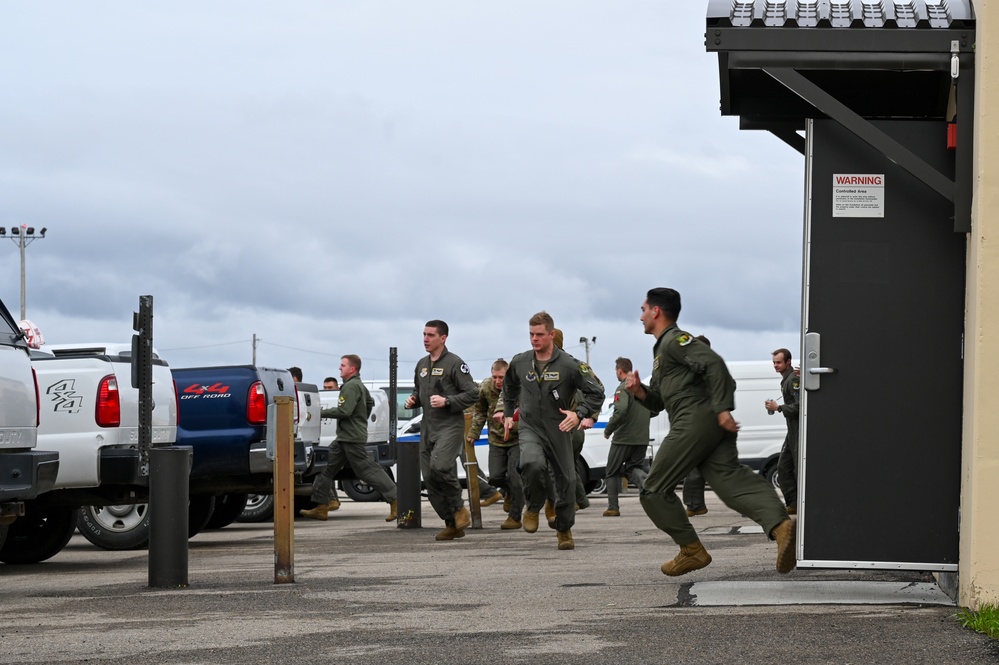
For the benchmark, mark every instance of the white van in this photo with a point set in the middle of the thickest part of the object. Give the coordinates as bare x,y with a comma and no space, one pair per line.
761,435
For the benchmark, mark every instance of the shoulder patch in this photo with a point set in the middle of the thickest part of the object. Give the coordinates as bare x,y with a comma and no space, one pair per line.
683,339
796,384
584,368
464,368
655,363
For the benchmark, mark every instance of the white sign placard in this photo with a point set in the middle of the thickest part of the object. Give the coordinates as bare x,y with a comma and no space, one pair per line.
858,195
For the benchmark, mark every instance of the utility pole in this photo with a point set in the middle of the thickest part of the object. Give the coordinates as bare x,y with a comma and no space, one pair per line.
254,363
586,343
22,236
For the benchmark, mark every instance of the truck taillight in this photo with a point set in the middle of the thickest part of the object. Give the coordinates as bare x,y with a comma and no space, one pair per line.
108,402
256,404
38,400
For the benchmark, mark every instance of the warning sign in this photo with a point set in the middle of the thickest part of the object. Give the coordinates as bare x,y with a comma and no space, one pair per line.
858,195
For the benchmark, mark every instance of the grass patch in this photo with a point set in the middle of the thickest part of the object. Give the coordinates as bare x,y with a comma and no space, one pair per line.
985,620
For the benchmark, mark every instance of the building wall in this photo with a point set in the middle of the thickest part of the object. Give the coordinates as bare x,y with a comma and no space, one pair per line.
979,554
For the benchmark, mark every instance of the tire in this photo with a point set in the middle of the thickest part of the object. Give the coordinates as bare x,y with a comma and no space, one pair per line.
228,508
199,511
259,508
772,476
359,490
600,486
39,535
126,527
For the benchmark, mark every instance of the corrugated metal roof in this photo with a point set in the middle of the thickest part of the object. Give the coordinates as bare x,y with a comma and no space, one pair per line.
886,14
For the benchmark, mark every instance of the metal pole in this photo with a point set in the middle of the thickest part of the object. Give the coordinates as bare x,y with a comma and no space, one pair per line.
407,464
23,244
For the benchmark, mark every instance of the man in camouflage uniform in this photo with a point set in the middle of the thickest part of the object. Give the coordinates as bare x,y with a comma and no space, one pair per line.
693,385
543,383
504,454
443,386
790,386
629,425
351,413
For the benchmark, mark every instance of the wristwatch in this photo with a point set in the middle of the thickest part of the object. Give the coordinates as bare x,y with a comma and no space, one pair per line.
447,402
579,414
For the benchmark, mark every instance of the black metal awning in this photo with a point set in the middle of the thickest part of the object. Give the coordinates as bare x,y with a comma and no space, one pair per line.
782,61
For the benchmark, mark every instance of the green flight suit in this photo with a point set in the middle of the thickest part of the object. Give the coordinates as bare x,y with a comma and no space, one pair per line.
354,405
628,430
692,384
787,464
504,456
442,431
541,390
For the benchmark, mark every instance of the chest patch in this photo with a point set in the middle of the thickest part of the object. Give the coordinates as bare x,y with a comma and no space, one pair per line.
531,376
655,364
437,371
551,376
423,373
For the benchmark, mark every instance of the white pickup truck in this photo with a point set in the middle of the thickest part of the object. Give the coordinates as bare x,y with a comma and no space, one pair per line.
24,472
89,414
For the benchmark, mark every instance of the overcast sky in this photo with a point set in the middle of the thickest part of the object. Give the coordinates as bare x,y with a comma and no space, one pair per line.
329,175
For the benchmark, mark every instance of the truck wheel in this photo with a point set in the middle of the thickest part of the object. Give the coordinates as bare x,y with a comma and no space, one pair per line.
228,507
770,473
259,508
126,527
39,535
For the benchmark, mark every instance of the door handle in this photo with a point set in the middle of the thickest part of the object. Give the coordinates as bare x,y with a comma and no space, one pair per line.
811,362
821,370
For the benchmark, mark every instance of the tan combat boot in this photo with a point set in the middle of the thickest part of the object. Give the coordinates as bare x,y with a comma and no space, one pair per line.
449,533
510,523
334,505
784,533
693,512
393,511
612,513
550,514
565,540
320,512
530,521
493,498
691,557
462,518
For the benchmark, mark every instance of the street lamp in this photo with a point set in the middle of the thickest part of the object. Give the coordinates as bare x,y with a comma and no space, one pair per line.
22,236
586,343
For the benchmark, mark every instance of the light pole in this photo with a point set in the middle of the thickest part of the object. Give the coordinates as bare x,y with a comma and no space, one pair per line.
22,236
586,343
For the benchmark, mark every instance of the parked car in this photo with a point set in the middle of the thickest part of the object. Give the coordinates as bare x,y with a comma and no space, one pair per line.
25,472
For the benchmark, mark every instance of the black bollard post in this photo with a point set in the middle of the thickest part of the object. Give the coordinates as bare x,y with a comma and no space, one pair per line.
169,474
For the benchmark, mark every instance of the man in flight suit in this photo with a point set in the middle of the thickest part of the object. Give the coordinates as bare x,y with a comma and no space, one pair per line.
543,383
629,424
443,386
693,385
354,405
787,473
504,454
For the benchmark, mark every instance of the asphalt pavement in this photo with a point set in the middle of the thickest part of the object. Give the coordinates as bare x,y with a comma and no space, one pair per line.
368,592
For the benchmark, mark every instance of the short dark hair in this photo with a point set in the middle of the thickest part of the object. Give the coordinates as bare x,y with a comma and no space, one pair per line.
353,360
666,299
439,325
623,364
296,373
331,379
785,353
